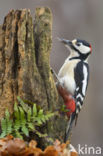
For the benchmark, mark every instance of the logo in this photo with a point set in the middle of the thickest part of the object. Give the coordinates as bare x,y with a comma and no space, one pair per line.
82,150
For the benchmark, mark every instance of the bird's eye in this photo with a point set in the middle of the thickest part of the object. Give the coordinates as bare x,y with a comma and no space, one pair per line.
78,44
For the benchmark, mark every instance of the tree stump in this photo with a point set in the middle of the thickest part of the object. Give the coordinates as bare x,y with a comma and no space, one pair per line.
25,64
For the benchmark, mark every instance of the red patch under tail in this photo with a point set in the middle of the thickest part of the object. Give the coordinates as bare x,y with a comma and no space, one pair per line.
68,100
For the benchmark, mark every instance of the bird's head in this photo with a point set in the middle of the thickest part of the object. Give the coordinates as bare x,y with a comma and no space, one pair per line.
78,47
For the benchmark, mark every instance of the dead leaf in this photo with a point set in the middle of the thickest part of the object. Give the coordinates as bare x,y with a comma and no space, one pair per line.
33,144
50,151
15,146
10,146
74,154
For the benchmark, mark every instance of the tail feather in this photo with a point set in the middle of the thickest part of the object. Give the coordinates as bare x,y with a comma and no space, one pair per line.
69,126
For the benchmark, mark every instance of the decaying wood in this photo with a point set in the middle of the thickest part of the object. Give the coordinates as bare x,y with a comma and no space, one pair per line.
25,65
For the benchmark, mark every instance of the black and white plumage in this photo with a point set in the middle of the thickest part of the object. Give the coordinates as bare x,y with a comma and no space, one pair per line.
81,76
74,74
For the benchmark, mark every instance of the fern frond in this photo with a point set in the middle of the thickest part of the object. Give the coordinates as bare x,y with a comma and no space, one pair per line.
34,110
8,122
29,114
16,125
40,134
23,122
25,119
16,112
40,112
25,130
22,116
31,126
3,128
23,104
17,134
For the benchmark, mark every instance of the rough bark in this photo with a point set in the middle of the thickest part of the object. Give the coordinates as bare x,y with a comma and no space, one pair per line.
25,65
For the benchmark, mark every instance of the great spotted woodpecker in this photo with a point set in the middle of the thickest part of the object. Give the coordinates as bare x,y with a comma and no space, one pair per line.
73,78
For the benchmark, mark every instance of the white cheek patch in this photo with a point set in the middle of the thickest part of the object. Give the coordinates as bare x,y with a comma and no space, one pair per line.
82,48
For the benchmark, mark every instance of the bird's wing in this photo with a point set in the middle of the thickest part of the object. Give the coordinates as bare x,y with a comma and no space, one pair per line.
81,74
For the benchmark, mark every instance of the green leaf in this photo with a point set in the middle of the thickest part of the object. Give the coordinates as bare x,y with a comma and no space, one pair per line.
8,123
29,114
2,135
63,109
39,121
47,116
28,102
16,112
3,127
17,122
34,110
25,131
31,126
18,135
16,125
24,105
9,127
24,119
40,112
43,118
22,116
40,134
7,114
23,122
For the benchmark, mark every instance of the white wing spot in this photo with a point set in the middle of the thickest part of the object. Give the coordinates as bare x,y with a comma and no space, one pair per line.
77,88
78,104
85,72
81,97
77,111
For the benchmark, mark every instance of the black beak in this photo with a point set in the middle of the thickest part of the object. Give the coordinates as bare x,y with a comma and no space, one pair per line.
66,42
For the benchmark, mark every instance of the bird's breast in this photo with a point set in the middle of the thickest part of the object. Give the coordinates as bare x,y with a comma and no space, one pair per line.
66,76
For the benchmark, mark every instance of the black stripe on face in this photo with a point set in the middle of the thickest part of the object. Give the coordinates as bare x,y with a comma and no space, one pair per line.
83,42
82,56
